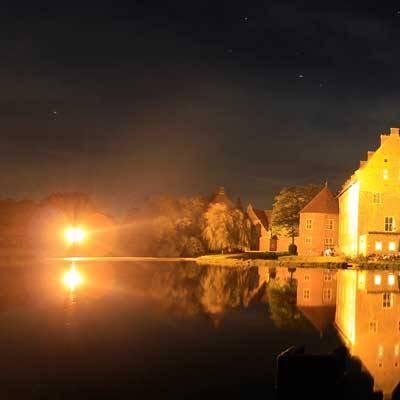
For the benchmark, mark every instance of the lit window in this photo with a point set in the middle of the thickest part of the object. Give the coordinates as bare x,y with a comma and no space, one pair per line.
328,241
377,198
396,350
308,223
329,224
306,294
373,327
377,279
387,300
392,246
308,240
389,224
385,174
327,294
391,279
378,246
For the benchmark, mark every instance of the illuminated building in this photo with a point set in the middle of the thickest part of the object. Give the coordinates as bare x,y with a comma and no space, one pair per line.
319,224
369,202
368,319
316,296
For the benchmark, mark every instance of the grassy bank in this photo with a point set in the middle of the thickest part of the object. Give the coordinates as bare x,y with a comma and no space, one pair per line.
253,259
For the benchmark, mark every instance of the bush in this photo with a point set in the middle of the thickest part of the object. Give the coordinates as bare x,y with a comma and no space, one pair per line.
292,249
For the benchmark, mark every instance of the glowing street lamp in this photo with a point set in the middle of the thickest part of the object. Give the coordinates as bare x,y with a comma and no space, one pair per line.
74,235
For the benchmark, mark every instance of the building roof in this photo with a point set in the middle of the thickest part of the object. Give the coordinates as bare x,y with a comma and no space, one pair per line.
320,317
259,216
323,202
221,197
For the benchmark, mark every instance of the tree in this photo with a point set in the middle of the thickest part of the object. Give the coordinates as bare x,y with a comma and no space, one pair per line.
287,206
166,226
226,228
216,232
282,299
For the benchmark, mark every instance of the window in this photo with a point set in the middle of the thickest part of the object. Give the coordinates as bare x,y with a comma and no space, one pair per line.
392,246
373,327
327,276
327,294
389,224
308,223
391,279
378,246
328,241
377,198
329,224
377,279
387,300
308,240
306,277
306,294
396,350
385,174
398,326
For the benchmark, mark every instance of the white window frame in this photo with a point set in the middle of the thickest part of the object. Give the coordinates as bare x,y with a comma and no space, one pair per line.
389,224
330,224
304,294
387,302
309,224
308,240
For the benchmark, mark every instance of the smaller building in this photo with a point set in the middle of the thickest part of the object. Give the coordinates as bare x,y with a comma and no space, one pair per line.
319,225
264,238
316,296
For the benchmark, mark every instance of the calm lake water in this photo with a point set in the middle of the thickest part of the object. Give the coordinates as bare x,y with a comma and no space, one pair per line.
96,329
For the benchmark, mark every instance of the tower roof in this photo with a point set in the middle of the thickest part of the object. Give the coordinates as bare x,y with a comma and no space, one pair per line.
323,202
221,197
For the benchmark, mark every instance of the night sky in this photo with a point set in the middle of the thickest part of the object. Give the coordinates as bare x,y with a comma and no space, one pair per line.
143,98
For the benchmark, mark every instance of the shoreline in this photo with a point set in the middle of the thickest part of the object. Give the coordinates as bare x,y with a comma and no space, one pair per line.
239,260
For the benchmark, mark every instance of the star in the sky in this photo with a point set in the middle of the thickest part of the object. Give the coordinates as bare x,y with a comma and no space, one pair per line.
300,76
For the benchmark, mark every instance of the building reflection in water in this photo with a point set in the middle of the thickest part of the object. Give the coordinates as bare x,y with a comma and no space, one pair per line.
316,296
368,319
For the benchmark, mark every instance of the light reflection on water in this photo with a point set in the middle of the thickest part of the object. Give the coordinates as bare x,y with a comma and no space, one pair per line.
159,324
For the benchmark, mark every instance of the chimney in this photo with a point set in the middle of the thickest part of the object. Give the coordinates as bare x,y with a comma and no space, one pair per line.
394,131
370,154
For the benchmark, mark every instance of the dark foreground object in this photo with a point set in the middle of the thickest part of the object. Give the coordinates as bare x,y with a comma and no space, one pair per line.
320,376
